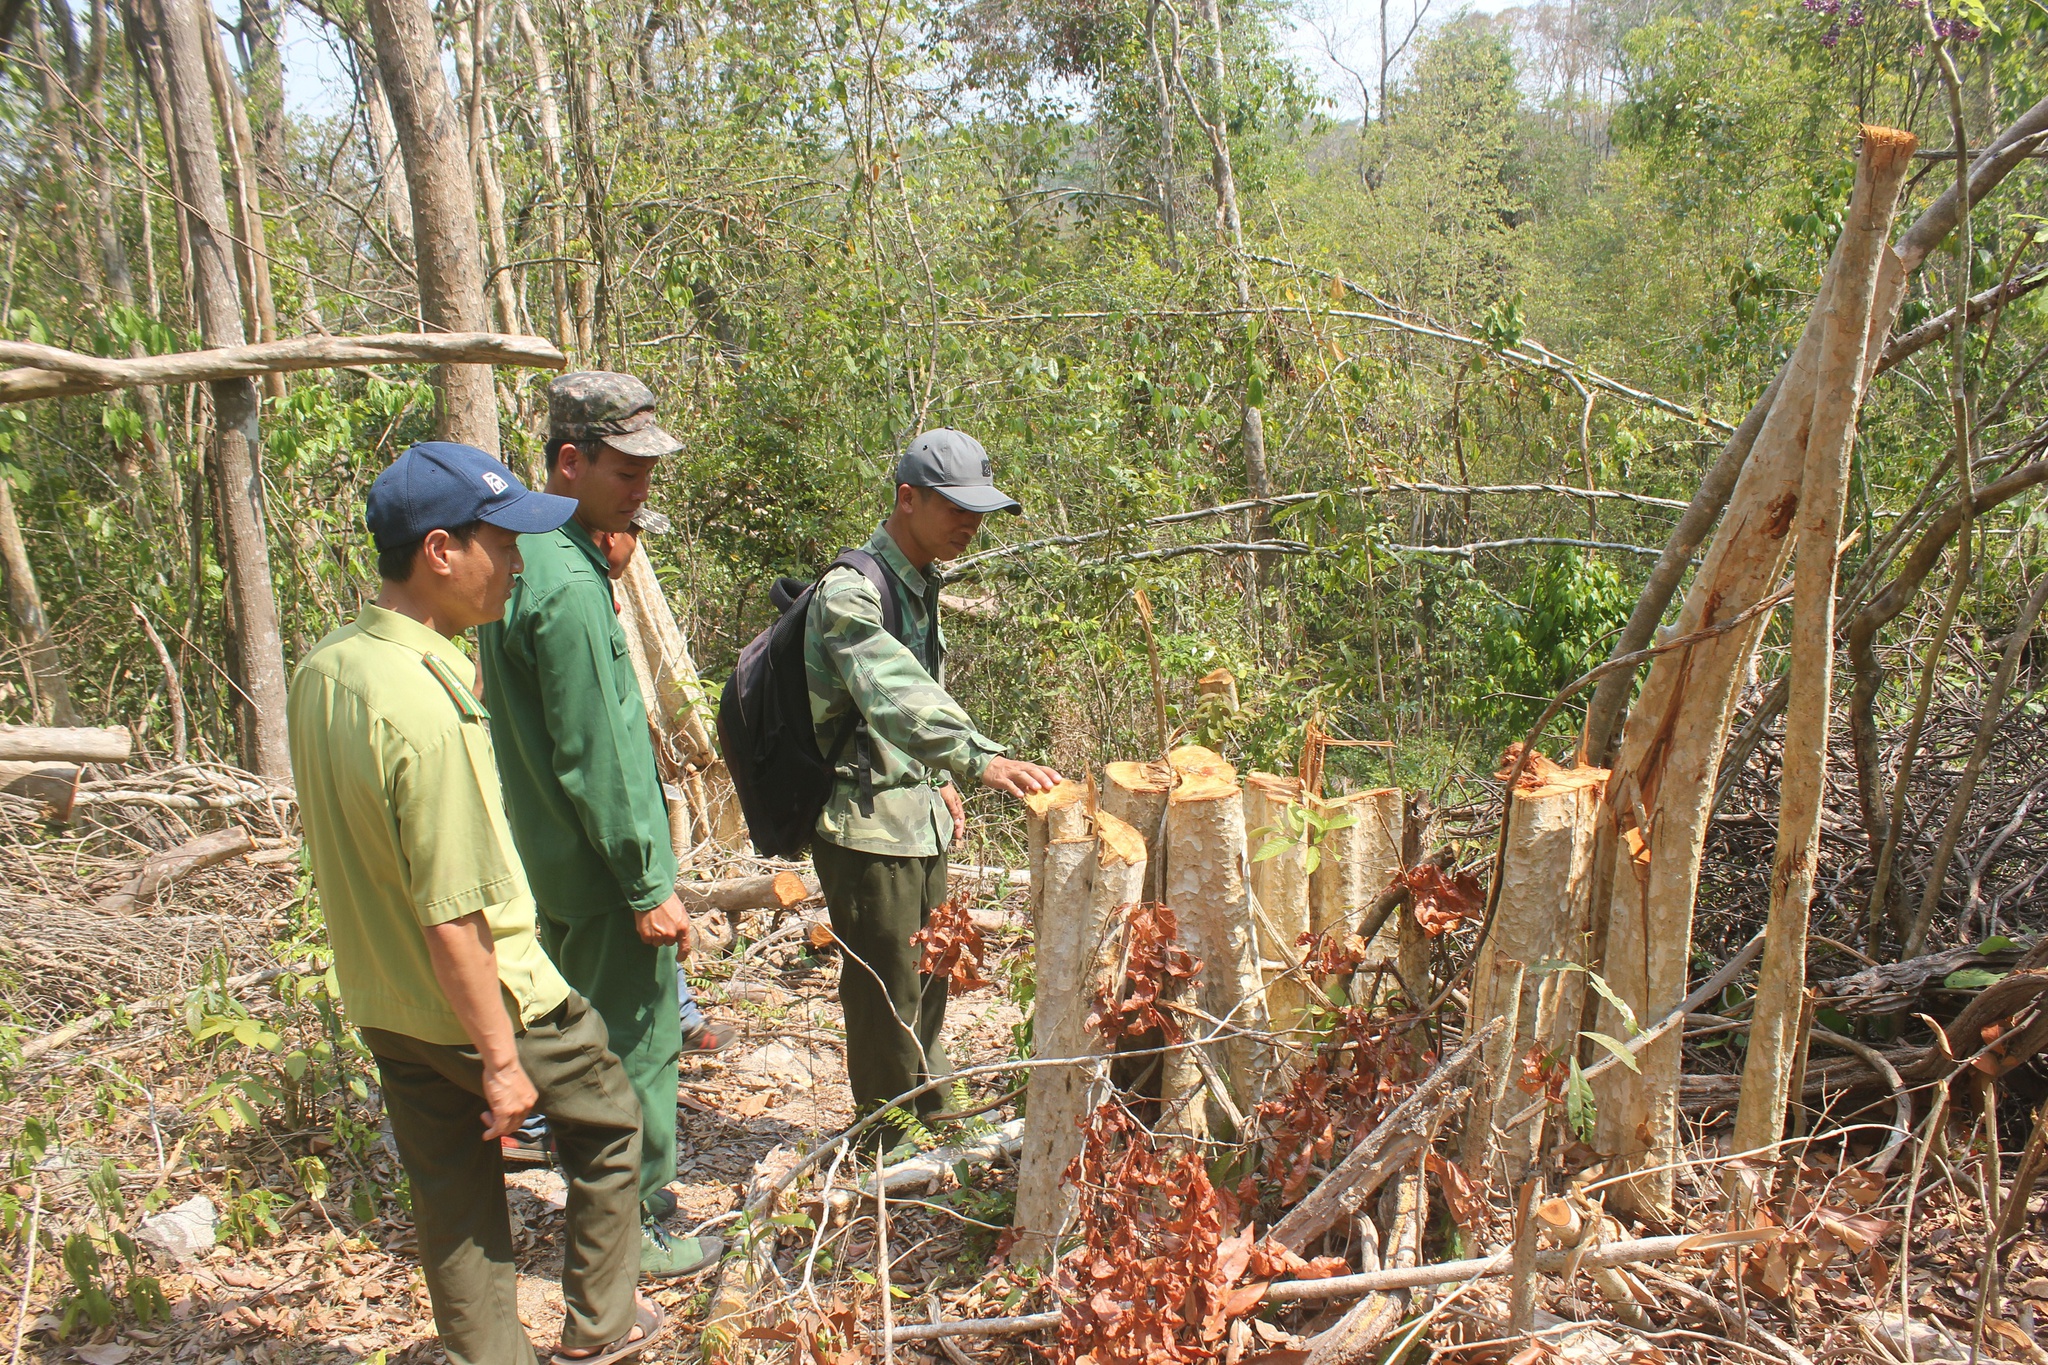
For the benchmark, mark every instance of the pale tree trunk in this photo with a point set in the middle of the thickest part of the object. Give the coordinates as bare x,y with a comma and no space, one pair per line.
1359,862
469,69
1543,915
1205,885
234,451
254,244
1087,877
391,186
1886,157
595,324
1230,228
264,102
145,39
1661,793
1280,893
568,335
64,157
46,665
2007,151
448,250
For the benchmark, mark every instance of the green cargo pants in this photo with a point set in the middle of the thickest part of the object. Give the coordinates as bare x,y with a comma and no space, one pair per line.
433,1093
632,984
893,1011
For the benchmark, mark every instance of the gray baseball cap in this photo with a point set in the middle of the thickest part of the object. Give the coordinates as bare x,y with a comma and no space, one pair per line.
617,409
954,464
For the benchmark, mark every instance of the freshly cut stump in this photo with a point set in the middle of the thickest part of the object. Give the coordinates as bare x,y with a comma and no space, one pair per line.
1053,816
1359,863
1135,793
1087,882
1205,885
1543,916
1280,888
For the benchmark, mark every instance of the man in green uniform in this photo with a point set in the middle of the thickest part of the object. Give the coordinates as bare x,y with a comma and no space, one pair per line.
431,921
881,842
581,789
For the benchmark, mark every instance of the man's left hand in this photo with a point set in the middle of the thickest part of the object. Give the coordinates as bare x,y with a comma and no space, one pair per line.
666,923
951,795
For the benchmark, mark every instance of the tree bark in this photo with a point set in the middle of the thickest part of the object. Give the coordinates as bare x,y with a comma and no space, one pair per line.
234,451
65,744
1088,881
46,665
448,251
391,187
1280,887
254,242
1610,698
1887,155
1205,885
469,68
568,331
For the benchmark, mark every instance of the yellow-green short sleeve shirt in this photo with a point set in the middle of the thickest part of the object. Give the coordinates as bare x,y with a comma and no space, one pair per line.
399,798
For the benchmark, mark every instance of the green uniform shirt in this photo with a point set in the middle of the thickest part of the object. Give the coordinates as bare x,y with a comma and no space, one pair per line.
398,796
917,733
571,730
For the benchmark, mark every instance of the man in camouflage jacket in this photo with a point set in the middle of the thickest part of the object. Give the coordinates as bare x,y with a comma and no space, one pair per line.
881,841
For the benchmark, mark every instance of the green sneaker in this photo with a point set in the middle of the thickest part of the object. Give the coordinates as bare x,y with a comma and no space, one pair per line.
664,1256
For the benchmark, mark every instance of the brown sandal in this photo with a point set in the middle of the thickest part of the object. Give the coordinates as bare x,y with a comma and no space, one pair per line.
648,1320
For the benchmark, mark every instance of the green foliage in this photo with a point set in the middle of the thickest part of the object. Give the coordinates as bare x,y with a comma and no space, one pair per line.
1532,650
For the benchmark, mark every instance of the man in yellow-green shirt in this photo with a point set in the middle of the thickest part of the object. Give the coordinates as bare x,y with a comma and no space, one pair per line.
432,923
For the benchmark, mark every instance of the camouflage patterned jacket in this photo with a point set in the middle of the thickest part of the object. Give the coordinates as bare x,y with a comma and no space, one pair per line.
917,733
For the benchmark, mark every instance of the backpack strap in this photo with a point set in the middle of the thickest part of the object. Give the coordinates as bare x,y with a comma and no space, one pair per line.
865,564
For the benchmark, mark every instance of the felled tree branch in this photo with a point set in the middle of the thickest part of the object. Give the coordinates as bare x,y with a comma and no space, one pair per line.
50,372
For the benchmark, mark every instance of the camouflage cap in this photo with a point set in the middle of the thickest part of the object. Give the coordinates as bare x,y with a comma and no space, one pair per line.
598,405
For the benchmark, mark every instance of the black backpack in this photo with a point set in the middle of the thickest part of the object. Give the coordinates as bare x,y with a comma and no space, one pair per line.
764,718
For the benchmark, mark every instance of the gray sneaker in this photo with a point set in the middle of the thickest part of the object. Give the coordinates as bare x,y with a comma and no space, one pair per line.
665,1256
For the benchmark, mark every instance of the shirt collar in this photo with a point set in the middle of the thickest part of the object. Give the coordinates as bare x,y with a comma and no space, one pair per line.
404,631
883,546
580,537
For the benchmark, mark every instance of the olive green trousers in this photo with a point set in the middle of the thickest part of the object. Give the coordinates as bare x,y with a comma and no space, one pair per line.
893,1011
433,1093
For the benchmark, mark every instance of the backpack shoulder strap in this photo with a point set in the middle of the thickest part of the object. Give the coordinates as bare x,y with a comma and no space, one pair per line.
870,568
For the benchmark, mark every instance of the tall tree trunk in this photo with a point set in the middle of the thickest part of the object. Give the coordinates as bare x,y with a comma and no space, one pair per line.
1230,229
145,40
71,189
569,334
46,666
469,69
1781,990
583,106
247,203
233,451
391,188
446,245
1603,714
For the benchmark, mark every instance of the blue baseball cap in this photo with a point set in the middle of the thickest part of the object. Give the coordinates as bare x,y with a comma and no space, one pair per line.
442,485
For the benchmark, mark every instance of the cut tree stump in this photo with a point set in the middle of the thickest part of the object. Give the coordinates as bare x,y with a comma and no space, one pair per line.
1359,863
1087,880
1056,816
1205,885
1280,885
57,744
1542,916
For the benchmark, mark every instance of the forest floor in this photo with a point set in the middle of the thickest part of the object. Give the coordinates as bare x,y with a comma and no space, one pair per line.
313,1259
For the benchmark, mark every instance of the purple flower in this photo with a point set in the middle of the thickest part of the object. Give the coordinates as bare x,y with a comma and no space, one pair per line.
1919,49
1832,36
1854,18
1821,6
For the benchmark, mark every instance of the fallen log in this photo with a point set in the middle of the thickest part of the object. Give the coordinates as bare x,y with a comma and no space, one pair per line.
770,891
927,1169
55,785
65,744
51,372
1893,987
1402,1277
205,851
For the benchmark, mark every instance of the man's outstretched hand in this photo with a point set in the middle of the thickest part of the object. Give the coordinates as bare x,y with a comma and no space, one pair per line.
1017,777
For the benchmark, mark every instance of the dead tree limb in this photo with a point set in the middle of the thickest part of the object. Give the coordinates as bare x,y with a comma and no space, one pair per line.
65,744
50,372
191,856
1902,346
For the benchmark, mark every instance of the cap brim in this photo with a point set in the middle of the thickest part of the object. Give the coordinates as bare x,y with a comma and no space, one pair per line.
978,497
648,443
530,513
